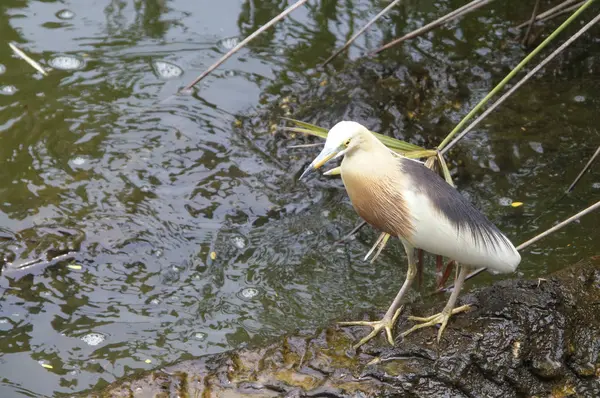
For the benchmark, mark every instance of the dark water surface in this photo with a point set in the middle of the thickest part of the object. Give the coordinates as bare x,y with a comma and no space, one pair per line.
128,197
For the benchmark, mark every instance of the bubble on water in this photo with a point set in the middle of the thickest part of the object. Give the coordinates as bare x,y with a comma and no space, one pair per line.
200,336
505,201
166,70
596,185
93,338
65,14
186,91
66,62
2,69
8,89
3,320
155,301
249,293
325,213
229,42
78,161
239,242
145,188
579,98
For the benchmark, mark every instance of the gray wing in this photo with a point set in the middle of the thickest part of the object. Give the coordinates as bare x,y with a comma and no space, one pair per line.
453,206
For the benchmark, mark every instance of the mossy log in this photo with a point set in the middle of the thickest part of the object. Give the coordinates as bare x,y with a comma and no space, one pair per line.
522,338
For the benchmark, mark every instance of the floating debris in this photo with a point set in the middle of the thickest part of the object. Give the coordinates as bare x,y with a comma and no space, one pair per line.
65,14
229,43
213,255
75,267
249,293
66,62
45,364
166,70
8,90
93,339
148,361
536,146
30,61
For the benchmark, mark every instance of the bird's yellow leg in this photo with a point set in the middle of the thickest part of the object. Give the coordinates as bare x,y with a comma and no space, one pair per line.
449,310
391,316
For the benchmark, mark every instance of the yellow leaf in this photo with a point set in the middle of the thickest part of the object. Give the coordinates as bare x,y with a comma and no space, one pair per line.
148,361
213,255
323,83
47,366
516,204
74,266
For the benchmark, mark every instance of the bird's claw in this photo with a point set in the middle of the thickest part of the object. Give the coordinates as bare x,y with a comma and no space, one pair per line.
439,318
386,324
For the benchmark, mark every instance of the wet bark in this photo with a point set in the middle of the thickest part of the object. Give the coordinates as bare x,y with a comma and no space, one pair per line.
522,338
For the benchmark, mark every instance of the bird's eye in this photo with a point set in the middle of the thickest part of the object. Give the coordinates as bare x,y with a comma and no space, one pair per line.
347,142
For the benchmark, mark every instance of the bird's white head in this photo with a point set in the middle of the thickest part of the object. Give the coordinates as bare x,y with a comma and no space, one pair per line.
341,138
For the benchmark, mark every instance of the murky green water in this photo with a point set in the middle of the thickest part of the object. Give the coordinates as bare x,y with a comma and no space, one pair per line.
95,172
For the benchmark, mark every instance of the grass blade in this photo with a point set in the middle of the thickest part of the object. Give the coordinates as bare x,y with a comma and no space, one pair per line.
30,61
392,143
244,42
306,125
520,83
513,72
371,22
445,170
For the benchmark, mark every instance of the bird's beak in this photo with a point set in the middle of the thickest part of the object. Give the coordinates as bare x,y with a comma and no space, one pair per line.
325,156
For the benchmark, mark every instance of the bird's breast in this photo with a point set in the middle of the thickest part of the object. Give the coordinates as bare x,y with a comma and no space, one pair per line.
377,198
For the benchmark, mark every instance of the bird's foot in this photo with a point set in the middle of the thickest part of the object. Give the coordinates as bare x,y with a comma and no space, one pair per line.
441,318
386,324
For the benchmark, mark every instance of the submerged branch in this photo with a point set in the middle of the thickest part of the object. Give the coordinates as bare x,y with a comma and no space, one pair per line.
585,168
371,22
532,21
547,13
247,40
472,6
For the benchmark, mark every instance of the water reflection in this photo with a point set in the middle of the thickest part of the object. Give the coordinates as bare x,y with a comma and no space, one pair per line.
135,233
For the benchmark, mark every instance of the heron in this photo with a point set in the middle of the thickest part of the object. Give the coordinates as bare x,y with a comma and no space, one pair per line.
402,197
